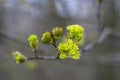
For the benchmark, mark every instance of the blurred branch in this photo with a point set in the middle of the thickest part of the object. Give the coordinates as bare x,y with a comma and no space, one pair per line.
99,40
102,31
115,35
43,58
100,21
8,36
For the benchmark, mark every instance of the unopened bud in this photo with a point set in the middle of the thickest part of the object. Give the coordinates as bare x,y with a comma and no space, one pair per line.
33,41
47,38
19,57
57,32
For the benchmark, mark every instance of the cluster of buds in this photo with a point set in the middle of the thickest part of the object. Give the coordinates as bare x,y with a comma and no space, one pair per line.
51,37
33,42
76,33
69,49
66,49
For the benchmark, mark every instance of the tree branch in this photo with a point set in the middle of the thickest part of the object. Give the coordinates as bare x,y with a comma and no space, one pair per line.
43,58
102,31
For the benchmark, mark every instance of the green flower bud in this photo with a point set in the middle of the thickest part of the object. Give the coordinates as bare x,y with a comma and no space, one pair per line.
19,57
33,41
57,32
47,38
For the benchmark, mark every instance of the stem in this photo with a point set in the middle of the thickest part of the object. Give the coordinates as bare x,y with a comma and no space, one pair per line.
57,55
43,58
46,57
99,19
55,46
36,54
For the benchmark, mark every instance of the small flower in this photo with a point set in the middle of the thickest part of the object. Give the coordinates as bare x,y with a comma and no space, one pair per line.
69,50
75,32
47,38
82,41
76,56
33,41
57,33
19,57
63,56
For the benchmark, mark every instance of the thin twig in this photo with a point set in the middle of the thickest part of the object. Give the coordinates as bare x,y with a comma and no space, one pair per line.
46,57
55,46
43,58
36,53
99,40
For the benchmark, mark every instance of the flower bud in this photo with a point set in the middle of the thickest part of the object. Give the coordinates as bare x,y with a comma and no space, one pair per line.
47,38
19,57
33,41
57,32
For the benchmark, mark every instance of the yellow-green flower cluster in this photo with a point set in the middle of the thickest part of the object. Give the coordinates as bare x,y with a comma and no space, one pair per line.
69,50
19,57
33,41
75,32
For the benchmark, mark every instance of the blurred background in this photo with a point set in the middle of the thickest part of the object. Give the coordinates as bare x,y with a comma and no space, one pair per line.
20,18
